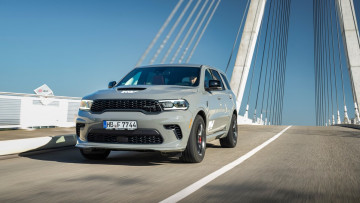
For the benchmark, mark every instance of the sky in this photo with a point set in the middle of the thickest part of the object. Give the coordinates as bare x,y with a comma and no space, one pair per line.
76,47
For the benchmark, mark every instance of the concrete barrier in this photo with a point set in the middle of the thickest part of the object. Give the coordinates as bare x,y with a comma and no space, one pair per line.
17,146
349,125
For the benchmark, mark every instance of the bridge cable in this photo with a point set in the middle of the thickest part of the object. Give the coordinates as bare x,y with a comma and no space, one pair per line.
329,75
159,33
323,64
326,75
271,45
272,66
315,74
189,31
267,64
326,69
195,33
334,64
285,59
322,77
286,49
181,31
202,32
158,51
320,96
323,104
274,111
237,35
282,68
316,59
262,60
275,108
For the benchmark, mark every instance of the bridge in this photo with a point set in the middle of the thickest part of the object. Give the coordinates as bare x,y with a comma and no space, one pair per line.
262,53
272,162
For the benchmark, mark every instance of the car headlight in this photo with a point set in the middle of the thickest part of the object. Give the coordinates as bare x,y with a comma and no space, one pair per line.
85,105
178,104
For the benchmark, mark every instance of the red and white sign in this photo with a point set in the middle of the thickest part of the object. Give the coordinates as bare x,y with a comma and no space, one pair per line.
44,90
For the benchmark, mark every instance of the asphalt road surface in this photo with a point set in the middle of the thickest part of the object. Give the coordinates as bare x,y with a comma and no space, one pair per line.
304,164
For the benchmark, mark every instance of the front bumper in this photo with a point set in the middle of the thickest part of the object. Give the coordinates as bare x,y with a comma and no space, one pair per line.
156,122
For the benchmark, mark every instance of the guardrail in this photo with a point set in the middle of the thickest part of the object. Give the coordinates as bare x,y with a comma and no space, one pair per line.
19,110
355,126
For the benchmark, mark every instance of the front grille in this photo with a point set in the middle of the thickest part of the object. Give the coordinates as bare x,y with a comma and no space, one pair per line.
145,139
176,129
143,136
78,126
145,105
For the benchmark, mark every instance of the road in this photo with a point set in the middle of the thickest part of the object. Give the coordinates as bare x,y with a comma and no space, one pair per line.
319,164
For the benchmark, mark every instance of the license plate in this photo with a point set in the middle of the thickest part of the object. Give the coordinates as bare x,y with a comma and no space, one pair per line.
120,125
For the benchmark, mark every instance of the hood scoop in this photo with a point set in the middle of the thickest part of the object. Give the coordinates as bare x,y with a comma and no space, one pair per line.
131,89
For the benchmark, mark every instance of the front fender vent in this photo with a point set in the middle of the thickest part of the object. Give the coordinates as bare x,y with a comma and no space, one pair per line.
78,126
176,129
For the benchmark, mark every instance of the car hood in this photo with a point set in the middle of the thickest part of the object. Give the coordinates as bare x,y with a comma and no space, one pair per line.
144,92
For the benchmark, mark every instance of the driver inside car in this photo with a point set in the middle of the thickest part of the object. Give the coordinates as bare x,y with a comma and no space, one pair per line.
193,80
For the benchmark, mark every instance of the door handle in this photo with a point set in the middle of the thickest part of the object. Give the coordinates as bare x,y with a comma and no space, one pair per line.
219,98
230,96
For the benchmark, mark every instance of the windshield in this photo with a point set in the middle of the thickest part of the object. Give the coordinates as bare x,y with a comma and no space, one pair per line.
184,76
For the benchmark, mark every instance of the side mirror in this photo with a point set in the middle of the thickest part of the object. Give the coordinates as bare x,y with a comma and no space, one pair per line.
214,85
112,84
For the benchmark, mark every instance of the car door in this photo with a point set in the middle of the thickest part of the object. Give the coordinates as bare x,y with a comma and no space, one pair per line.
213,121
229,99
222,99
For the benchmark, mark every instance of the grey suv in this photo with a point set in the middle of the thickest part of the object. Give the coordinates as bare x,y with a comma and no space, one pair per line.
166,108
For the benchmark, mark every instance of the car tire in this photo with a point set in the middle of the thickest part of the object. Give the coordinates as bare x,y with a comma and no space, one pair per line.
95,154
196,146
230,140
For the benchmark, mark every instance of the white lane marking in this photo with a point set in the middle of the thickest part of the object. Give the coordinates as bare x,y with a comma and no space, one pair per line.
200,183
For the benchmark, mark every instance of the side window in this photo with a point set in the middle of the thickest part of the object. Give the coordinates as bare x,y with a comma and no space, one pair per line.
208,77
216,76
225,81
134,80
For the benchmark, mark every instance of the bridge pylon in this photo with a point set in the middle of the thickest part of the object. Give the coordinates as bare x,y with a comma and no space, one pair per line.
351,40
246,49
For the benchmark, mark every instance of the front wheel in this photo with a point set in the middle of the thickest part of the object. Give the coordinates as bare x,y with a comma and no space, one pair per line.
231,139
95,154
196,146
